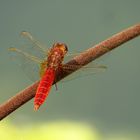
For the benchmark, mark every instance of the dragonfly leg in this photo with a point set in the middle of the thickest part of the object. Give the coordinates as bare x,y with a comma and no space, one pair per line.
56,86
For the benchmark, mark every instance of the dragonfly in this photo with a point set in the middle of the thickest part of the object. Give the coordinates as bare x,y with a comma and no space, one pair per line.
48,63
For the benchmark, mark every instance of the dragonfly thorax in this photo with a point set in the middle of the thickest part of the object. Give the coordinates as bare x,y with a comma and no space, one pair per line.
56,55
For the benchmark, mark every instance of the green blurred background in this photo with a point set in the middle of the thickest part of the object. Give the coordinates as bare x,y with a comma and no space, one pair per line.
109,101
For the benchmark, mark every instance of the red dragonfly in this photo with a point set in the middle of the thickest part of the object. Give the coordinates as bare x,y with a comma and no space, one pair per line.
51,62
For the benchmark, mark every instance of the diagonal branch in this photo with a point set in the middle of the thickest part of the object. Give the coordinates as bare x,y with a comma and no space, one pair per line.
84,58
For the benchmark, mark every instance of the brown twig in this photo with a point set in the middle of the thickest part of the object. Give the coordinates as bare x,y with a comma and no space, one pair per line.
84,58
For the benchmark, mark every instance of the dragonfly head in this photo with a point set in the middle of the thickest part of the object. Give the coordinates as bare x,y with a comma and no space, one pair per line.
63,47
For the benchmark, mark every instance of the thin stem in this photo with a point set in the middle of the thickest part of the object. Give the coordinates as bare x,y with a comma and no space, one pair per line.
82,59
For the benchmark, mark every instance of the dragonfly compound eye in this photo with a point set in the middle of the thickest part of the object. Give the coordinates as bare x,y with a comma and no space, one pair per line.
66,48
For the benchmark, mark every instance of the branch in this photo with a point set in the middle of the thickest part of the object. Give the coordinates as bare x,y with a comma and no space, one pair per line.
84,58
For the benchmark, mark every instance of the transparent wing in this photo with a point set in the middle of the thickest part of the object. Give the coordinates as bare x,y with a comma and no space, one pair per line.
33,46
82,71
91,68
69,56
30,55
29,64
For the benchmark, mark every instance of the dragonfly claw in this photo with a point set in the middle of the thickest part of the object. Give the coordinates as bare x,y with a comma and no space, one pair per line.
56,86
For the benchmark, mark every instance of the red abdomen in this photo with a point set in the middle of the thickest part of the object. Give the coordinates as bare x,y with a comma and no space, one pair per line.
44,87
